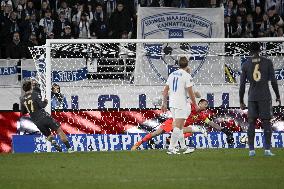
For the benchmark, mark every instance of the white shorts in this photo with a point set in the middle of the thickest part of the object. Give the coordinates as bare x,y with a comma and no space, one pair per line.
180,113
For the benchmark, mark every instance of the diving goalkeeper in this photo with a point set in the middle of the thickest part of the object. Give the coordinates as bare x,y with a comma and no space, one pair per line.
199,117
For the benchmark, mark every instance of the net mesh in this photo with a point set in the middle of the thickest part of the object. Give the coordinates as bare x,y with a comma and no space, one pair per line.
95,74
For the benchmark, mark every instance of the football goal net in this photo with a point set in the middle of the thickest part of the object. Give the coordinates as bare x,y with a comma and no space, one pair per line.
131,73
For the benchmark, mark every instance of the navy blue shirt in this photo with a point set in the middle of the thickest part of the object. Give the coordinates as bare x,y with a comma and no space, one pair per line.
31,103
258,71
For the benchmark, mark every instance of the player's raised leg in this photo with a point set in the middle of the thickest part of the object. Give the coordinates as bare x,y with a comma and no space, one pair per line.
147,138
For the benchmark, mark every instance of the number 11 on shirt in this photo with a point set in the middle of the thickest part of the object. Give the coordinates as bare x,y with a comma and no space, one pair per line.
175,84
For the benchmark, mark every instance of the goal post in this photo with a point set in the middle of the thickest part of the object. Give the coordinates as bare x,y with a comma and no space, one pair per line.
142,54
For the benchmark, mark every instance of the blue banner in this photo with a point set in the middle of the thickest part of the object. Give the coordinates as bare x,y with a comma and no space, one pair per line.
8,70
279,74
69,76
62,76
27,73
98,142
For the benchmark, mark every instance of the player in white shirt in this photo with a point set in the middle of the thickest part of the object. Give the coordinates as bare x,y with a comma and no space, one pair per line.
178,88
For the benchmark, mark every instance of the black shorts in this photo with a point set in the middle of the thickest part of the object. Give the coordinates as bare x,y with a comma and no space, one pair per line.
260,109
46,125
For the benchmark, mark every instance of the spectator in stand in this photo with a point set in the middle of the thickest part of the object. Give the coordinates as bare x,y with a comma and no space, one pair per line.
31,43
76,20
77,15
54,4
46,25
84,27
238,28
252,4
23,3
30,10
119,22
109,7
98,25
228,11
12,25
273,4
67,33
2,5
44,8
257,19
89,11
28,27
7,9
67,10
242,11
59,25
131,6
264,29
237,6
274,17
20,12
249,27
16,50
228,27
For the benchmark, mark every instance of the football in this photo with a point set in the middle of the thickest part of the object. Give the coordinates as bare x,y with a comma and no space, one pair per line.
244,139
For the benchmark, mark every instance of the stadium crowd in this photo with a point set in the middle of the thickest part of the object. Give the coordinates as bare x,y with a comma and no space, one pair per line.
26,23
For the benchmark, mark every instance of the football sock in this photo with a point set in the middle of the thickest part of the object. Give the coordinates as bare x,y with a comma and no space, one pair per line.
146,138
50,138
251,134
174,138
181,140
267,133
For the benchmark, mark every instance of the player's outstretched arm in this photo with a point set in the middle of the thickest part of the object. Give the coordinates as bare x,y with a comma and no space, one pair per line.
214,125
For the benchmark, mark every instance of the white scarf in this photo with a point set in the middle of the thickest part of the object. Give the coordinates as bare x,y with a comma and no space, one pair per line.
81,27
110,6
48,26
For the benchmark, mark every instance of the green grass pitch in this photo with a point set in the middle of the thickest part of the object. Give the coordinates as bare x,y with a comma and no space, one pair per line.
214,168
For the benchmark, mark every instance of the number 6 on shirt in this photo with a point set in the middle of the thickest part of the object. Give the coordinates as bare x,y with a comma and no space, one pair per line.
256,73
